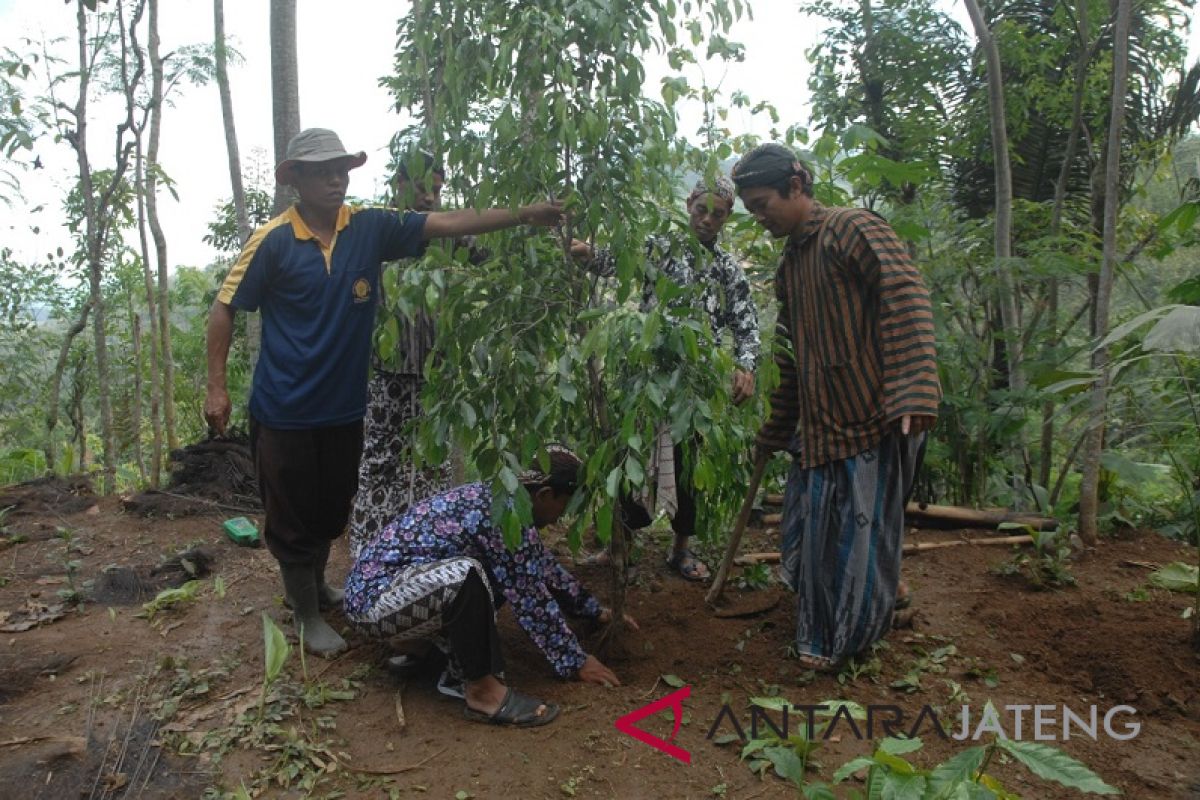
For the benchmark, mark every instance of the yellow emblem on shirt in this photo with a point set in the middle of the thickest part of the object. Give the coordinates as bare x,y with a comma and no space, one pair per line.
361,290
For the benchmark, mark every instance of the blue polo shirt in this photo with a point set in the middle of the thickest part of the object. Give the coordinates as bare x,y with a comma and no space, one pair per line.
318,311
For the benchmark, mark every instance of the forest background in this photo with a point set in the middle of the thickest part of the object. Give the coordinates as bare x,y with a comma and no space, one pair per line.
1037,156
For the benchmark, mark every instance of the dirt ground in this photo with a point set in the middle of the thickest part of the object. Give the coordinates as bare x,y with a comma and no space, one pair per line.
96,701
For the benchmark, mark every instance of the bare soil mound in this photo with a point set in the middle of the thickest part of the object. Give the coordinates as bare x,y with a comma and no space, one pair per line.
210,476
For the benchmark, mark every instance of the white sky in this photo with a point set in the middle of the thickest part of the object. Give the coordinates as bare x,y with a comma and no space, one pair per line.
344,47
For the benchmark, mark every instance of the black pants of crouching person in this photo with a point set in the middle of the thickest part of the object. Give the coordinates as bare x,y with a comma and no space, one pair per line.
447,602
470,628
306,479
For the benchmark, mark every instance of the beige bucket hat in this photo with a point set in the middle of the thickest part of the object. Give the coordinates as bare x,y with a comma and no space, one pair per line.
313,145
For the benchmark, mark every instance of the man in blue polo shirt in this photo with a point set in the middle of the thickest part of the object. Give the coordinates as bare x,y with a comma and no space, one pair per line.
313,273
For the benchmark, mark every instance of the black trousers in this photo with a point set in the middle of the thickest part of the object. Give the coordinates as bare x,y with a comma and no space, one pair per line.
469,623
307,480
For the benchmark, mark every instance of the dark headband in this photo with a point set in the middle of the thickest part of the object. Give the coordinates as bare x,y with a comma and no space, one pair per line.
765,165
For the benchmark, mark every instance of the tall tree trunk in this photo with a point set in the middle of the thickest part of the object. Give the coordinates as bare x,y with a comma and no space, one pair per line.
231,142
285,89
1089,499
145,189
75,412
160,242
254,322
64,353
1060,196
135,330
1007,299
94,236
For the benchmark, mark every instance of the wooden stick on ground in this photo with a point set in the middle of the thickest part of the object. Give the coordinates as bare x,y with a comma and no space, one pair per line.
912,547
928,515
919,547
735,539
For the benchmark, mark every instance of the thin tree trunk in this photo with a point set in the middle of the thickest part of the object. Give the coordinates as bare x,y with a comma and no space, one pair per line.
135,330
1060,196
1089,500
64,353
160,245
254,321
1007,300
285,89
93,229
78,421
231,142
145,189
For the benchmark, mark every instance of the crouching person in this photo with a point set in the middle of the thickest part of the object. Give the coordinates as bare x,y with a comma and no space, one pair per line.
441,569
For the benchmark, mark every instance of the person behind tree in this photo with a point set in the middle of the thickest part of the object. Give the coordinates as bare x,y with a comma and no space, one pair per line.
858,390
389,480
441,570
725,295
313,273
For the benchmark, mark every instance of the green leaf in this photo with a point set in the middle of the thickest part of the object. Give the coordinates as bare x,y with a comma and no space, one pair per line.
903,787
787,764
1178,332
898,747
770,703
612,484
275,648
1050,763
850,767
1178,577
604,521
959,768
468,413
509,479
1130,471
674,681
633,468
1121,331
567,390
818,791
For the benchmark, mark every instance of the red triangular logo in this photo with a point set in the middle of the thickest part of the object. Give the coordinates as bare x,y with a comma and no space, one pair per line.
626,724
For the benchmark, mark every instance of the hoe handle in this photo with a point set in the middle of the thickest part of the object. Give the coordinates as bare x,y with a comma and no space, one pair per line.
718,584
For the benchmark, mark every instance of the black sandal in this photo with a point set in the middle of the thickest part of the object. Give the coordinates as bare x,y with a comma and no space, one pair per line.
518,710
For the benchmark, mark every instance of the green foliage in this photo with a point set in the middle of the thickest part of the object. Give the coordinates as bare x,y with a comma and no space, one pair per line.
755,577
791,757
223,230
531,348
963,775
1178,577
1048,567
171,598
73,593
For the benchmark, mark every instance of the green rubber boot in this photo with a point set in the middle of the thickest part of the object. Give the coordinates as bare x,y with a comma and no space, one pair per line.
328,597
300,586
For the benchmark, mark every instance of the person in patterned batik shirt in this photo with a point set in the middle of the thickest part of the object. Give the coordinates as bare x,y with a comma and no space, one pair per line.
725,295
441,569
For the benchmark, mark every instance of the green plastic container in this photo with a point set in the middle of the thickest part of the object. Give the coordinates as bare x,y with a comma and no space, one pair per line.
242,531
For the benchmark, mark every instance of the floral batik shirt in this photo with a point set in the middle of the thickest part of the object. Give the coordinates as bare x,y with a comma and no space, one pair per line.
458,523
724,290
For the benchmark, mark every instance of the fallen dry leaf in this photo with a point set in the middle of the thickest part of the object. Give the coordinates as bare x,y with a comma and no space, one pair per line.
31,615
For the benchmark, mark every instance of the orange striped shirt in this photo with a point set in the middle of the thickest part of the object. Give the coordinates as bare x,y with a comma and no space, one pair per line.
854,338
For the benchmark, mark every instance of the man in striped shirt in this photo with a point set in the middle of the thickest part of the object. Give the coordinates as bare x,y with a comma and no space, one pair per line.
858,390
